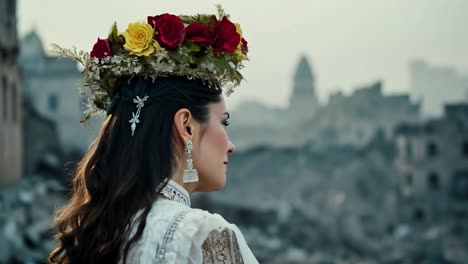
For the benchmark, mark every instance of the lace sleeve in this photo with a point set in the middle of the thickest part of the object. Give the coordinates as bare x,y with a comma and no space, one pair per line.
221,247
202,237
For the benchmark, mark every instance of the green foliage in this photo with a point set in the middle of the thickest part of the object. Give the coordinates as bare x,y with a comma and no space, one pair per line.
114,39
221,64
175,55
204,18
86,117
200,18
193,47
221,12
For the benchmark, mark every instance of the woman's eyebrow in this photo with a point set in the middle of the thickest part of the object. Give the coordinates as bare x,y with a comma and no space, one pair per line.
228,115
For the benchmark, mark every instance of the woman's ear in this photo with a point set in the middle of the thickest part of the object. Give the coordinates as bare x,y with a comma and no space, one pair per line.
184,124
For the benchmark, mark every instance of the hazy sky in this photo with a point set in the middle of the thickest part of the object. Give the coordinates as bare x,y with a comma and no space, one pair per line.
348,42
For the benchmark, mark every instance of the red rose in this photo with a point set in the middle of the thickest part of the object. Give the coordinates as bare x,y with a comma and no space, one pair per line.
226,37
169,28
101,49
244,47
198,33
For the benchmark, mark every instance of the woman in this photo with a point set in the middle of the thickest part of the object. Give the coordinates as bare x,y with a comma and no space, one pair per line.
164,138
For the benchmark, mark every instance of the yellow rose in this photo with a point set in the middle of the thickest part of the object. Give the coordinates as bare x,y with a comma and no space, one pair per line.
239,46
139,39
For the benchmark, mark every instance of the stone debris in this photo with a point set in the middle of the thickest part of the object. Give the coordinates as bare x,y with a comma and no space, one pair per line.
294,205
26,215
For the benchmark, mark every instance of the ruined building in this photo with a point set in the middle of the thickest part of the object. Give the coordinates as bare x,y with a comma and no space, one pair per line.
346,120
10,96
355,119
433,164
51,86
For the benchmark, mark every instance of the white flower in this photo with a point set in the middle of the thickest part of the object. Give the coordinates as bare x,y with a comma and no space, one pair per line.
134,119
116,59
140,101
165,67
137,69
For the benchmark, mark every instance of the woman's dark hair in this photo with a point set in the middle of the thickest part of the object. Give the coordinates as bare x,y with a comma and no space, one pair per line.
119,174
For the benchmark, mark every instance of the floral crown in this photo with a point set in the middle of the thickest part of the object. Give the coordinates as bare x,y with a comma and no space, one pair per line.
202,46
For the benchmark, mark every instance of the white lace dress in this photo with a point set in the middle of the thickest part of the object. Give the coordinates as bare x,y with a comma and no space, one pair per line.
176,233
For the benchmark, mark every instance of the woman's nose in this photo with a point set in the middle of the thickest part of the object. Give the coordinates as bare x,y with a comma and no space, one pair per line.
231,148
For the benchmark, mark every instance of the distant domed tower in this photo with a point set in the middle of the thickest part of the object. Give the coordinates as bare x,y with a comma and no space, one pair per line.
303,102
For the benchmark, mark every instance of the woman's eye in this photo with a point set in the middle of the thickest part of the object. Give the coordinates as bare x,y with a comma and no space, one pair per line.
226,123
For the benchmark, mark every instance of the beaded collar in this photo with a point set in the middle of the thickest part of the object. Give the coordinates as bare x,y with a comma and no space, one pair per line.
173,191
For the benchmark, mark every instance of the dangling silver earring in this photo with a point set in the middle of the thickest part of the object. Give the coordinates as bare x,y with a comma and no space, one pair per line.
190,174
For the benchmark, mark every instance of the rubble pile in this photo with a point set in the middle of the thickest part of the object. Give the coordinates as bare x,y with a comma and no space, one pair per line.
335,205
294,205
26,215
291,236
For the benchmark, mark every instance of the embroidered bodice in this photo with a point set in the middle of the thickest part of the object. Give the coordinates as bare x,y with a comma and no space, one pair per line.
176,233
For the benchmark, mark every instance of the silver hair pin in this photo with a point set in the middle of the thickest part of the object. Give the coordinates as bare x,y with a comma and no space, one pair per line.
135,117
